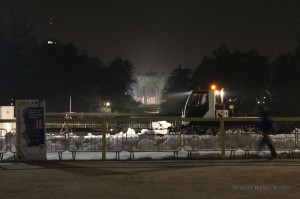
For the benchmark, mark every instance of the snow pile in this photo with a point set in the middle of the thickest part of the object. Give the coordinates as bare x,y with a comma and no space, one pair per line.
161,127
145,140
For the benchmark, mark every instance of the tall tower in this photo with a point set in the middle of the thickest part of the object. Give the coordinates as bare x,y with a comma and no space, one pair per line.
51,23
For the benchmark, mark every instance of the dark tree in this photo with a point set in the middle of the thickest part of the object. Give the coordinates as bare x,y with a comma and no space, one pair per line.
285,82
29,70
176,91
61,70
179,80
297,34
16,52
243,75
116,85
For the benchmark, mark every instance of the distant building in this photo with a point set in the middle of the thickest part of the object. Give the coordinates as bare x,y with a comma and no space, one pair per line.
149,87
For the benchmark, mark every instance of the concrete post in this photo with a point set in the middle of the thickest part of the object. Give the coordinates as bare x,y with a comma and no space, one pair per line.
104,139
222,138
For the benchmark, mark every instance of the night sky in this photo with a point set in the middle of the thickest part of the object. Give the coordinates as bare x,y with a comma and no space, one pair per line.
161,34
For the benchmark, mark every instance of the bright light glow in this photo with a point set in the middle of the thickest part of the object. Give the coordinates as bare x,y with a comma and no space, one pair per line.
213,87
222,92
107,104
180,94
150,100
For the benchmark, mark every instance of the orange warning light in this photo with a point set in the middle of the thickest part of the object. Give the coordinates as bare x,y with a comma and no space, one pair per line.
213,87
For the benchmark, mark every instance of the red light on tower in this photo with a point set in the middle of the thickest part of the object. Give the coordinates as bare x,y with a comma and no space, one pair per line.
51,21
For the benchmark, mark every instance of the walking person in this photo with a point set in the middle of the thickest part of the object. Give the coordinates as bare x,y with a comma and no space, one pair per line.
266,126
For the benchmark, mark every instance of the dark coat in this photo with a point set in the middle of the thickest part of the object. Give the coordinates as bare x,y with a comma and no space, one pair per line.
266,124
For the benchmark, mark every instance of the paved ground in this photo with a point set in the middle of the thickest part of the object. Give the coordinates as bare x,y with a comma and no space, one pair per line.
242,178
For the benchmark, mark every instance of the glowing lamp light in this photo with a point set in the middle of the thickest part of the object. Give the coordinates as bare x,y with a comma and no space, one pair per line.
222,92
213,87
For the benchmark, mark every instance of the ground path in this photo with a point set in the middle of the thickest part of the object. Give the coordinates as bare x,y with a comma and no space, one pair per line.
239,178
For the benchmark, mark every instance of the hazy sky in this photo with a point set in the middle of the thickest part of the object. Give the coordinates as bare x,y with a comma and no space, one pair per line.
161,34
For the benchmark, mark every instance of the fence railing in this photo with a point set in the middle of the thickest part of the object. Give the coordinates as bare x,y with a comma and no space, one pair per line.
158,134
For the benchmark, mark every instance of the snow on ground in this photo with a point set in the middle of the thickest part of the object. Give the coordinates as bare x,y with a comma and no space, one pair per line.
152,155
158,144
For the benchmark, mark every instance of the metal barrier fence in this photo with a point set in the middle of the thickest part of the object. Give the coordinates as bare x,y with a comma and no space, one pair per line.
7,142
208,142
153,143
282,142
141,135
93,143
56,143
3,143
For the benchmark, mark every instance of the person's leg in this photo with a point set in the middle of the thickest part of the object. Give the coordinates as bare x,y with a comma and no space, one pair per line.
261,143
270,144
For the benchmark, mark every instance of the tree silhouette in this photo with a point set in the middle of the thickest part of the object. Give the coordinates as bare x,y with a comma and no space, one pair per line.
61,70
116,85
243,75
16,53
29,69
285,82
54,72
176,91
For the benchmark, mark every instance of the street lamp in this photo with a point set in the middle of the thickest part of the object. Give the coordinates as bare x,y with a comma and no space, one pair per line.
213,87
221,94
